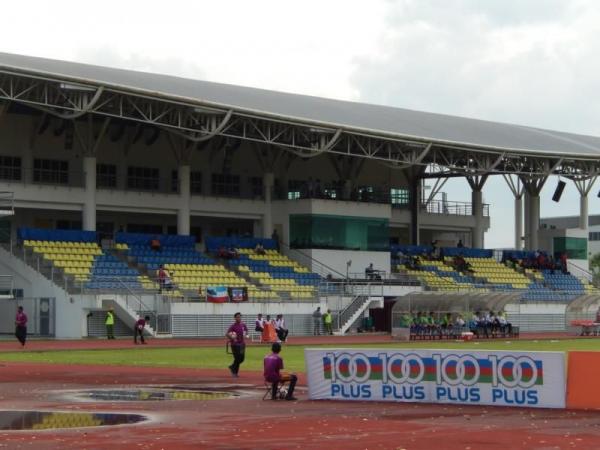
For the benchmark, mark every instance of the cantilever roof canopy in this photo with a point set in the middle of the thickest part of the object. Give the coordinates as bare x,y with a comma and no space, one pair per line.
331,116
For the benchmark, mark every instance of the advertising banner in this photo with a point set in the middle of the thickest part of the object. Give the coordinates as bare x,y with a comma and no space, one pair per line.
527,379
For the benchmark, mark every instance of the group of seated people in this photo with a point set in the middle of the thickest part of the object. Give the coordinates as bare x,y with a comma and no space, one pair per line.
271,330
461,265
481,324
489,324
227,253
540,261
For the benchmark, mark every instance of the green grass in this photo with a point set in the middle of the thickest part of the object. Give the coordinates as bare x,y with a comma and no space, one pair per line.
215,357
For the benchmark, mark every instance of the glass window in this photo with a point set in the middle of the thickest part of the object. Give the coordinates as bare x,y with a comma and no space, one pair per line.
143,178
226,185
294,191
10,168
196,182
339,232
106,175
399,196
53,171
576,248
256,186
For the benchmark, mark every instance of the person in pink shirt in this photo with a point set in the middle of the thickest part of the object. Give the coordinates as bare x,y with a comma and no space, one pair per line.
273,364
21,326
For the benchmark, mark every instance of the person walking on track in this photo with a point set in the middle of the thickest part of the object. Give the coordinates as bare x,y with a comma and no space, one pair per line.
21,326
236,333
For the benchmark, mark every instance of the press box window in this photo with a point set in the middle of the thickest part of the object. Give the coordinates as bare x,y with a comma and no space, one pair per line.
143,178
225,184
106,175
53,171
10,168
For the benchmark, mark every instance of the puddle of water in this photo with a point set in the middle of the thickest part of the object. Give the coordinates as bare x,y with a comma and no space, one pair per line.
135,395
45,420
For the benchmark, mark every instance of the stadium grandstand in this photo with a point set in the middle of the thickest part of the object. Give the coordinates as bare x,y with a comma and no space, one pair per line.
188,200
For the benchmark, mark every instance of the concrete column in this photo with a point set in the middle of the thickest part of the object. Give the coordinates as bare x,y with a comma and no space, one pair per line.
268,181
583,212
89,203
518,223
183,213
477,211
415,205
534,218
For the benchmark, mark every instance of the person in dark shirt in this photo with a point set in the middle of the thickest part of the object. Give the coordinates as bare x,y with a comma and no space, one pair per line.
138,329
236,333
21,326
273,364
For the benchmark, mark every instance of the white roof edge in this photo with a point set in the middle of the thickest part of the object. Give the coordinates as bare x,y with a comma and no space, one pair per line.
319,123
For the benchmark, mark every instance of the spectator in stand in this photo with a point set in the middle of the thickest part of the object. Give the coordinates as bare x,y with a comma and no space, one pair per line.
317,321
259,249
273,364
164,279
236,333
460,244
275,237
563,263
138,329
280,328
155,244
21,326
232,253
259,324
222,252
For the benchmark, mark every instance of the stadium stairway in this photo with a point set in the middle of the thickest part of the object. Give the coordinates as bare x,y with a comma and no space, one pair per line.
126,313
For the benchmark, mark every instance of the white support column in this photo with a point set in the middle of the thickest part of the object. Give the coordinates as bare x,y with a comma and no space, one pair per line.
527,220
89,205
268,181
477,211
518,223
583,212
534,218
183,213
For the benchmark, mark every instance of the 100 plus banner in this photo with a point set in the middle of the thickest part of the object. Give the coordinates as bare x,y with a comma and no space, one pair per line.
531,379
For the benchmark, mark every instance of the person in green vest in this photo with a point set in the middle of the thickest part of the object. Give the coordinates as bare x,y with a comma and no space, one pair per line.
328,322
110,323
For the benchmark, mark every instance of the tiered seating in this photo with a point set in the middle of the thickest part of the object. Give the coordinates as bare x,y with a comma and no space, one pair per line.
74,258
190,270
497,274
491,275
110,273
439,276
272,269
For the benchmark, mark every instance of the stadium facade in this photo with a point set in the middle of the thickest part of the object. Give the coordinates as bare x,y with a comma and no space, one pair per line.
107,150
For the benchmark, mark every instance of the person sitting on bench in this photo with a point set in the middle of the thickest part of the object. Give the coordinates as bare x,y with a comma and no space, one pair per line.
273,364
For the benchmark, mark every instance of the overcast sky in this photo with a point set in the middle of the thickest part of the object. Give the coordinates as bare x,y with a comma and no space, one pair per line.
532,62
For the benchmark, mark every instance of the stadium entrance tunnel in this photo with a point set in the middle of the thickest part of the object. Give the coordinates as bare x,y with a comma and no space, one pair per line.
47,420
151,394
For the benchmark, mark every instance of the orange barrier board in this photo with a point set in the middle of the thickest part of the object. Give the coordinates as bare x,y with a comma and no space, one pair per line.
583,390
